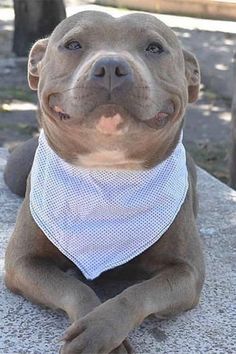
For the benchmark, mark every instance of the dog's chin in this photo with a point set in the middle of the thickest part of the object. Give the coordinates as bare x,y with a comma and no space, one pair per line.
108,160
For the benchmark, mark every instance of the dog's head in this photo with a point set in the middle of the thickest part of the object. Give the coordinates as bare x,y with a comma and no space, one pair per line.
113,92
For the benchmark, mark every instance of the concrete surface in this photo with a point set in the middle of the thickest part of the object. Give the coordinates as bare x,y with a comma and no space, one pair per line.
26,328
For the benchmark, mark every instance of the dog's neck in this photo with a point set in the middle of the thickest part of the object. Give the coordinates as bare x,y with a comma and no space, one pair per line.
102,218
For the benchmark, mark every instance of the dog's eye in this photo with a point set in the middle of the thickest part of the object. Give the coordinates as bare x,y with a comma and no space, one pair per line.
73,45
155,48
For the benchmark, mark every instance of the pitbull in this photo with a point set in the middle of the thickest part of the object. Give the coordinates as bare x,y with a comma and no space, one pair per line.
112,94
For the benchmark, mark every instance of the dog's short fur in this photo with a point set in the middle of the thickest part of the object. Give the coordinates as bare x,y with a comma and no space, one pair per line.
102,95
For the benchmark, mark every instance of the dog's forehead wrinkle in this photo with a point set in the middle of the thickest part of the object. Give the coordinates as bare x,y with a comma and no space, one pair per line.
143,22
87,19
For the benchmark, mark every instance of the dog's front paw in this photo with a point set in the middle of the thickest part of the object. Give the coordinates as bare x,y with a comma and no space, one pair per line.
99,332
124,348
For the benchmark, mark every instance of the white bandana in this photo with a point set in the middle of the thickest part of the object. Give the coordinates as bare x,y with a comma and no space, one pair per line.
101,219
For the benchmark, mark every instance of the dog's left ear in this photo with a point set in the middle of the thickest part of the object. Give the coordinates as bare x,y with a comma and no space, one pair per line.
192,73
35,56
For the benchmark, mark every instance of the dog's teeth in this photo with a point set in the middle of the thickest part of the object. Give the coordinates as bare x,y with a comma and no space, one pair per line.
162,115
159,120
162,118
63,116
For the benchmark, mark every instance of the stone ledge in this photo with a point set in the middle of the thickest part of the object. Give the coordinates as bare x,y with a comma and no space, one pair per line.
26,328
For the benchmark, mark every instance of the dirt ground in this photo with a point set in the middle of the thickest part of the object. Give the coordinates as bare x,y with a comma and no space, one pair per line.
207,130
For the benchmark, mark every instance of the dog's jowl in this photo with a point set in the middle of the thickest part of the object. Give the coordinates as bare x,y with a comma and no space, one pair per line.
112,190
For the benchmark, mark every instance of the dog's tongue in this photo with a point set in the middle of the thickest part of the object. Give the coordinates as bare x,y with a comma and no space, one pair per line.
109,125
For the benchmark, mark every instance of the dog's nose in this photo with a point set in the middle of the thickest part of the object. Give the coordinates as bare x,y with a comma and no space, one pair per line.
111,73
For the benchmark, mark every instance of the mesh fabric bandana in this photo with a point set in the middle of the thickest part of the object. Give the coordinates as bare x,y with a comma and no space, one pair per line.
101,219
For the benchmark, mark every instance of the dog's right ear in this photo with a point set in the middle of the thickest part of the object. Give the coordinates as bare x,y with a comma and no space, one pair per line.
35,57
192,73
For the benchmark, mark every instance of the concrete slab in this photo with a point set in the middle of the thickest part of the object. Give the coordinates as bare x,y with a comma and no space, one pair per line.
26,328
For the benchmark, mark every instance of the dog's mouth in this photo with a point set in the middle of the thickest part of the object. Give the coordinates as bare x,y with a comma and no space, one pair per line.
110,119
158,121
109,136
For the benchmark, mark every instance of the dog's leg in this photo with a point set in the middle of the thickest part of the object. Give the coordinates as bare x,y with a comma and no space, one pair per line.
174,288
34,269
19,165
42,282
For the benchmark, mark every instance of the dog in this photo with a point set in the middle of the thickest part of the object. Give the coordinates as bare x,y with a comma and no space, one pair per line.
112,94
